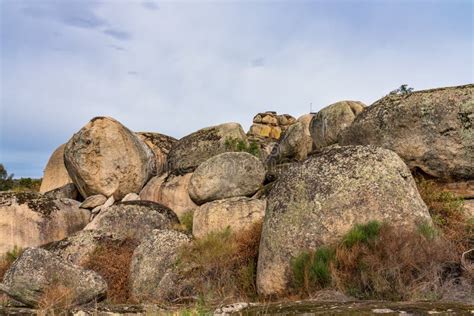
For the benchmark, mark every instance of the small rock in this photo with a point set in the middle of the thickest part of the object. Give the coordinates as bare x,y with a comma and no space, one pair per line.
131,197
133,219
93,201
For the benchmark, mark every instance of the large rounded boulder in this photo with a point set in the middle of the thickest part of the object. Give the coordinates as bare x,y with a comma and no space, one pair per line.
192,150
329,122
153,265
133,219
431,130
106,158
32,219
38,271
55,174
319,200
226,175
171,191
160,145
238,214
295,144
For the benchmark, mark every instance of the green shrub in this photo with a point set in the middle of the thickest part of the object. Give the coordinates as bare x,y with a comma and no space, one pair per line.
362,233
187,222
311,269
239,145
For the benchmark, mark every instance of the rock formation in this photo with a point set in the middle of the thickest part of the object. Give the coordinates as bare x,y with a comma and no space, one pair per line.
31,219
431,130
37,270
226,175
192,150
134,219
328,123
171,191
160,145
316,202
153,263
238,214
55,174
106,158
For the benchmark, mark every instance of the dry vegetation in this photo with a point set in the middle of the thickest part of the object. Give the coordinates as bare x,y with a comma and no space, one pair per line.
378,261
56,299
7,260
221,267
112,261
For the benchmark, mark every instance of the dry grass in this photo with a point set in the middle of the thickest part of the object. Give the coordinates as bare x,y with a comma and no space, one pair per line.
398,265
56,299
112,261
447,212
222,265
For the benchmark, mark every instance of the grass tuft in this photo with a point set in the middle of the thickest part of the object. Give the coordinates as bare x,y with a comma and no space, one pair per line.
362,233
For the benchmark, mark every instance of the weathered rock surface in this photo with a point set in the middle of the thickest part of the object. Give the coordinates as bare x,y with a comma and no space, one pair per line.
192,150
238,213
317,201
78,247
269,125
93,201
171,191
295,144
160,145
153,262
226,175
106,158
329,122
431,130
55,174
31,219
37,270
67,191
134,219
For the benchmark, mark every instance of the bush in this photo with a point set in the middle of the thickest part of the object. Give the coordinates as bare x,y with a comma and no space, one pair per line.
221,267
112,261
238,145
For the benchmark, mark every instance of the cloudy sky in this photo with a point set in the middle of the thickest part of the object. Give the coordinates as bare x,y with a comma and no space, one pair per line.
175,67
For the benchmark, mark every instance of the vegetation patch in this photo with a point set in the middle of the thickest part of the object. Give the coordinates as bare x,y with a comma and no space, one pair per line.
55,299
239,145
221,267
186,223
379,261
7,260
362,234
112,261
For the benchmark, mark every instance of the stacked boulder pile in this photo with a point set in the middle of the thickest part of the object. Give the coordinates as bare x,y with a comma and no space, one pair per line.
347,164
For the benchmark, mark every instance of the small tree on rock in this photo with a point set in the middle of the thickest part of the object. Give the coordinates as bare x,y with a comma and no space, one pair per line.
402,90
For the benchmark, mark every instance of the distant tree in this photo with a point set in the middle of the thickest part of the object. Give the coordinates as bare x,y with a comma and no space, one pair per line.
402,90
6,180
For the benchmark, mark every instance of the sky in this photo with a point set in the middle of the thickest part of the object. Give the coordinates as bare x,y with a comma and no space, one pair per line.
175,67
